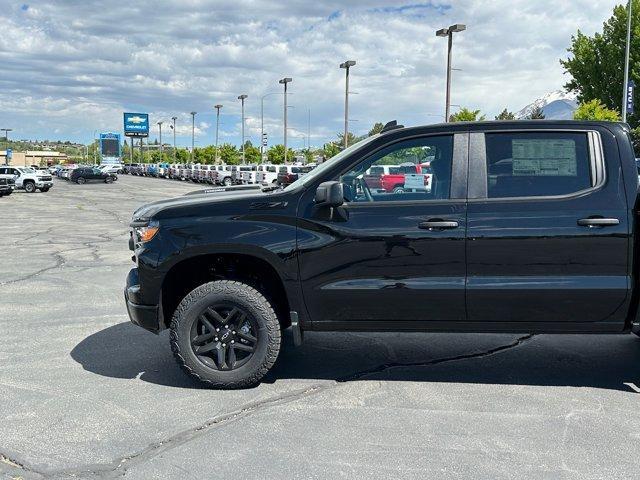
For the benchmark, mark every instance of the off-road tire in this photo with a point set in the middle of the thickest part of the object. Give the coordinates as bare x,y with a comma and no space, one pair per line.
44,190
227,181
30,187
233,293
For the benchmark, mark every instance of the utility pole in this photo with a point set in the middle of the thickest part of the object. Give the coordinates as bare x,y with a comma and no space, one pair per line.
448,32
625,86
160,129
242,98
193,133
284,82
174,139
346,65
217,107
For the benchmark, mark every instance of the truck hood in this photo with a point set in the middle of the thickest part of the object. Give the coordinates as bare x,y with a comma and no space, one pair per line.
199,198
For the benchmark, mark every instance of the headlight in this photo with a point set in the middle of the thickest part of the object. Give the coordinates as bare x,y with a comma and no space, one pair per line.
144,233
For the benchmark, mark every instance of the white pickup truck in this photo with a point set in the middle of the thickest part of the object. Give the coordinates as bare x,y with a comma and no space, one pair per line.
28,179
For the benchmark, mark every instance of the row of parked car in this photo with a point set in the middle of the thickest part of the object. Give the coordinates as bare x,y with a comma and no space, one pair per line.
227,175
82,174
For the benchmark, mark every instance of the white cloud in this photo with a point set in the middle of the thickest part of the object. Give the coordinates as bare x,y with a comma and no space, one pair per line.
73,67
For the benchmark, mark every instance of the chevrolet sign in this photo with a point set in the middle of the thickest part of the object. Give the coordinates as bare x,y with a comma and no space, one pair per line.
136,124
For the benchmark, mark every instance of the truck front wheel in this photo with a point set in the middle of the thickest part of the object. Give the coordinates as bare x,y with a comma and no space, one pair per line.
226,334
29,187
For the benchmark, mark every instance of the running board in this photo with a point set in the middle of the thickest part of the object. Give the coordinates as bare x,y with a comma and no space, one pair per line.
298,334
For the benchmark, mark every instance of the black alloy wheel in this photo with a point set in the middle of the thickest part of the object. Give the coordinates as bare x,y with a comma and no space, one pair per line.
226,334
224,337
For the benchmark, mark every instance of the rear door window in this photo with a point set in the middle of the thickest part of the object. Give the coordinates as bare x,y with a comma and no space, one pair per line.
537,164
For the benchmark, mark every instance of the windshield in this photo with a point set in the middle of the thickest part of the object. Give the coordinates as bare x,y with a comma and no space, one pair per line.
329,164
28,170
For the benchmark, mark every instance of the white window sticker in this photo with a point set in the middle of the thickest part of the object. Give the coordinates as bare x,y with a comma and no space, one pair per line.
545,158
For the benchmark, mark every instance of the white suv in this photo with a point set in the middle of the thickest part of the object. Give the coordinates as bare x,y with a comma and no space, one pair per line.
28,179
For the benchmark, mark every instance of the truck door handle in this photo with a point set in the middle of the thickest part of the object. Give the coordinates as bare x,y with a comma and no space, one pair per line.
598,222
437,224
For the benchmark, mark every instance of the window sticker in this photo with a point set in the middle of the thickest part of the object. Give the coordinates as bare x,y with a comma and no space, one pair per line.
544,158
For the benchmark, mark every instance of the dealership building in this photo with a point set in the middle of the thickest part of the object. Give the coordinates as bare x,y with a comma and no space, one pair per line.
32,157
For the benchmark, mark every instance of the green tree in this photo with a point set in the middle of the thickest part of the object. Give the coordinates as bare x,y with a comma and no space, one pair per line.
596,63
536,114
467,115
351,139
377,128
595,110
275,154
251,153
506,115
330,149
229,154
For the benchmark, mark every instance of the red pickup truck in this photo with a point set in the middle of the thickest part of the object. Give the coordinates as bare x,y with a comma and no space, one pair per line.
394,181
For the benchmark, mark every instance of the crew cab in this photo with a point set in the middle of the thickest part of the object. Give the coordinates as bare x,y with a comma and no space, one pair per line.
7,185
528,226
267,174
27,178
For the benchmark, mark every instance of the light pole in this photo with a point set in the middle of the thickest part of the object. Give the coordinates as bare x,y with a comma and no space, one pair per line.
193,133
346,65
6,142
217,107
160,129
174,138
625,86
242,98
262,149
448,32
95,150
284,82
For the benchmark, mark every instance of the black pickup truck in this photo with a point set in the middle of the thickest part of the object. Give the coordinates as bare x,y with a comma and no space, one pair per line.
522,227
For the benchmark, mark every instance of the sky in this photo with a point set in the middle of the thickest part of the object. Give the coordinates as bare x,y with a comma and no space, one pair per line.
69,69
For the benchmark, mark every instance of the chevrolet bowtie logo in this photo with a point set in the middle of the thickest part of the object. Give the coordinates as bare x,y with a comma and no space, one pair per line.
136,119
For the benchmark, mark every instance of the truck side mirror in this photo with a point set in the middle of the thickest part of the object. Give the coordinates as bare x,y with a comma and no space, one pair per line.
329,194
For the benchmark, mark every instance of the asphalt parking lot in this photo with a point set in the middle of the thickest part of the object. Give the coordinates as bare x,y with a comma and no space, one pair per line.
86,394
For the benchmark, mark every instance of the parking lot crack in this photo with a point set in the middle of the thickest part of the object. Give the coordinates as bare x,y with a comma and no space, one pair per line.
120,466
467,356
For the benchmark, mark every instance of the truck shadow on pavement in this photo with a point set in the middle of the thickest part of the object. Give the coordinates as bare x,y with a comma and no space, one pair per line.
597,361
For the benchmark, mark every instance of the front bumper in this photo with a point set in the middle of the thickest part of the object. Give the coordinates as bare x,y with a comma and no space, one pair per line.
46,184
145,316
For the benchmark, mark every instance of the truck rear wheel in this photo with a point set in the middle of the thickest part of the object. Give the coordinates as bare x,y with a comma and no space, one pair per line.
226,334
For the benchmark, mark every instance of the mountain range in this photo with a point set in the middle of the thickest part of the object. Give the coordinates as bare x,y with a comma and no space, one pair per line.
556,105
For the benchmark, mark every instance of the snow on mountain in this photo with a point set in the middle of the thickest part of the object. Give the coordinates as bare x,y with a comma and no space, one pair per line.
557,105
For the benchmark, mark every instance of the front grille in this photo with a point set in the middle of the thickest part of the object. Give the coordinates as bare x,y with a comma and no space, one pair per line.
45,178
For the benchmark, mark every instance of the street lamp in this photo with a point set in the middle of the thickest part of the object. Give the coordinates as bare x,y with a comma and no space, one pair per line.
241,98
284,82
448,32
174,138
217,107
262,149
6,141
160,129
193,133
346,65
